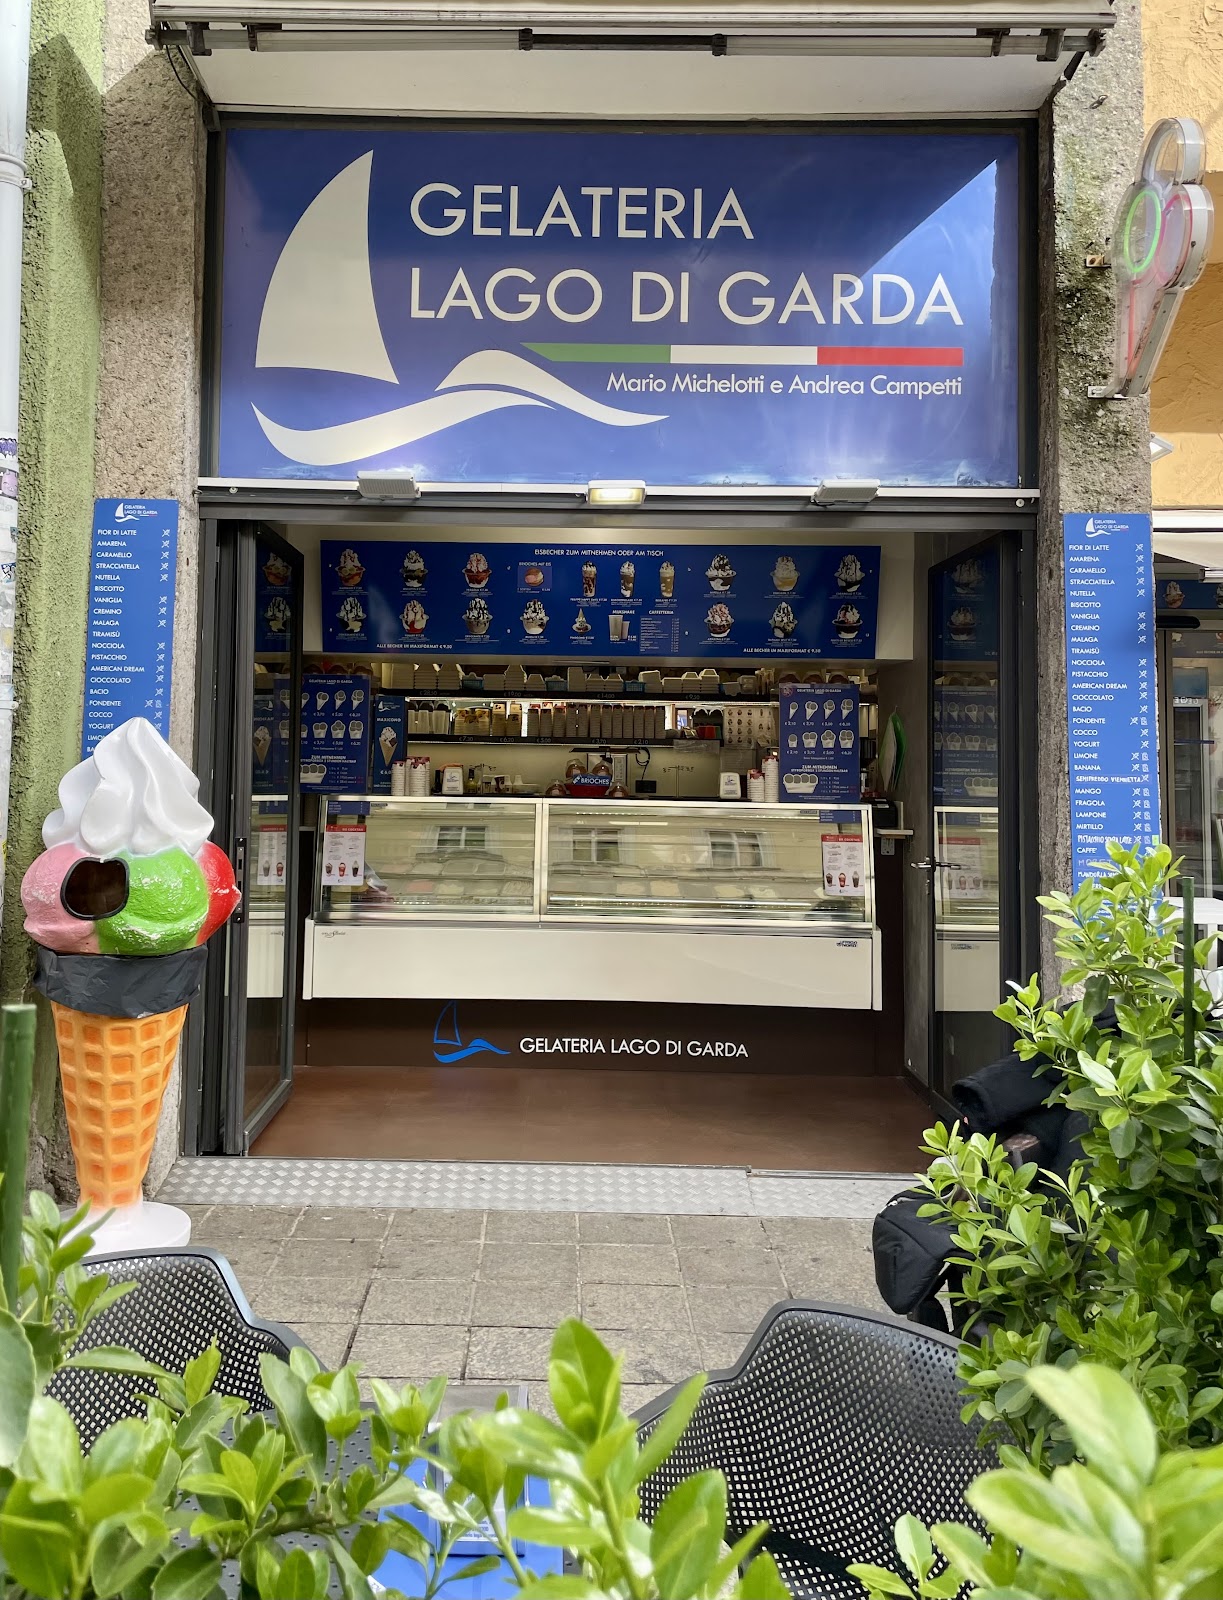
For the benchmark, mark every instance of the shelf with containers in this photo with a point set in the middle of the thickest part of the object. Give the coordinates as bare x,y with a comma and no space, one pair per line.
570,899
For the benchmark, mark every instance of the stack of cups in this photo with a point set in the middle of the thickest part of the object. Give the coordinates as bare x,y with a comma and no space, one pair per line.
755,784
772,779
418,776
399,778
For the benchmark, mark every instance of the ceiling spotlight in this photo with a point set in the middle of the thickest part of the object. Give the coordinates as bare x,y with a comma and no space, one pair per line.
615,492
396,483
1160,448
845,492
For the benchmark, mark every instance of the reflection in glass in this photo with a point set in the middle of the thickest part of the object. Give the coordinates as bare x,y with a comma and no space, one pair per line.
1197,757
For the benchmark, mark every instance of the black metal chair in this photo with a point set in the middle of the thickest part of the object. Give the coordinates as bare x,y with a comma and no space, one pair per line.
831,1425
184,1299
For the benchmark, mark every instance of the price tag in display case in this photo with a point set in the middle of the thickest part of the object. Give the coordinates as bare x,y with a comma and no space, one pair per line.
273,855
344,854
844,865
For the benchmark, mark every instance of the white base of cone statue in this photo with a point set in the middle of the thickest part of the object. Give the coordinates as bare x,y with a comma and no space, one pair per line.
144,1226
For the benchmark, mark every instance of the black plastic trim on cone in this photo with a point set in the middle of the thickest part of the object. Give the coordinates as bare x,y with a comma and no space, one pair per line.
121,986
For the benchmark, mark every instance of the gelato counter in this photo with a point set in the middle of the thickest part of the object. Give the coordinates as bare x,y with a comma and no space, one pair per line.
522,899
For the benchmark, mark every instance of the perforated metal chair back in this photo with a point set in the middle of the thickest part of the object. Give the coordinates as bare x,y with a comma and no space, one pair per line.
184,1299
832,1424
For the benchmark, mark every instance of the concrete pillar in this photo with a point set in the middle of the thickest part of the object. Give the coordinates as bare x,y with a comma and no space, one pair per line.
1094,455
59,375
149,389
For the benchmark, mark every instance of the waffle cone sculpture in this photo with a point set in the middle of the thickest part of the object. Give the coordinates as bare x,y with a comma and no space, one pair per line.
120,904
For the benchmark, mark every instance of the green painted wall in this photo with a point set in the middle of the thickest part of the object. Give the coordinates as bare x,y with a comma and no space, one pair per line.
59,388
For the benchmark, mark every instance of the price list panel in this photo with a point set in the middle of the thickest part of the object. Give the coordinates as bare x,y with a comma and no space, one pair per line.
130,638
1110,687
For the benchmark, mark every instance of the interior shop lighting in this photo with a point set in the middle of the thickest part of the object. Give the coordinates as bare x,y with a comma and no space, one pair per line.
394,484
845,492
615,492
1160,447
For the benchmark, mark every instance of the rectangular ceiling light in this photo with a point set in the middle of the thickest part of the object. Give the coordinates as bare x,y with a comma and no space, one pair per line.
845,492
615,492
396,483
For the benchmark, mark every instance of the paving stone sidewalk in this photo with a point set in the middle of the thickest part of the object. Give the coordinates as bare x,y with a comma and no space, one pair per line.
474,1295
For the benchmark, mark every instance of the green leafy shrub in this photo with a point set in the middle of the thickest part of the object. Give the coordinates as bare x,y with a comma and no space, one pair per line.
164,1505
1127,1521
1122,1264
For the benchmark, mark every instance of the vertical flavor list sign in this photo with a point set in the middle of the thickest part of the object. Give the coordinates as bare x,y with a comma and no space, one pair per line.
1110,686
130,637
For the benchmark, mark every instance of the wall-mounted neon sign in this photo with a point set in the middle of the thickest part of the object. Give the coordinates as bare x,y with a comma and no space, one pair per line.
1161,242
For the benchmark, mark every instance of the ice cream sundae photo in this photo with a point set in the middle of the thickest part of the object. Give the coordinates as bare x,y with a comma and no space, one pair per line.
534,617
628,576
127,889
720,574
352,615
666,580
847,622
414,617
476,571
718,620
414,570
477,618
783,621
277,570
349,569
967,576
1174,595
849,574
963,623
533,577
580,624
785,574
277,614
590,578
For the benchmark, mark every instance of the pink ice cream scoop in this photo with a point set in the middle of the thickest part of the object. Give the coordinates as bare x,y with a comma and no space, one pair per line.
46,920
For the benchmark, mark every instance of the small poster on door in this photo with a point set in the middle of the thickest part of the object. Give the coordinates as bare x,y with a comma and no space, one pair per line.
844,865
272,857
964,874
344,855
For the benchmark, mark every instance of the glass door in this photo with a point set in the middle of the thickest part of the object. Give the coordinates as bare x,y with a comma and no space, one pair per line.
973,878
248,1060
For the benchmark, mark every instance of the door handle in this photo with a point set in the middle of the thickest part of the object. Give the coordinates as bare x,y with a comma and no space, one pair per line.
933,866
240,879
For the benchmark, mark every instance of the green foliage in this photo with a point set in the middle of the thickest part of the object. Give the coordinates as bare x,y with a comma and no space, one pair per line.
164,1506
1126,1521
1122,1264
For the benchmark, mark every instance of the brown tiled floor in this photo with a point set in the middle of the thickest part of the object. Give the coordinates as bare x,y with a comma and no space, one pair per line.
475,1295
770,1121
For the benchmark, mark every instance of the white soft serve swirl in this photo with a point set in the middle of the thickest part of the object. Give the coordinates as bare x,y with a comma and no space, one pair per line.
132,794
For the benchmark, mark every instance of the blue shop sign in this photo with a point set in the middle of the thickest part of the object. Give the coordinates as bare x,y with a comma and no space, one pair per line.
551,306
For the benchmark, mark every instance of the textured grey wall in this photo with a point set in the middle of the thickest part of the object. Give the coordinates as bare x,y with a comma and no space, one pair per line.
1094,456
148,402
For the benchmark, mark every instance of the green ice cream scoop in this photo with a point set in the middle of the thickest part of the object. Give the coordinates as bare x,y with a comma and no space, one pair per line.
166,906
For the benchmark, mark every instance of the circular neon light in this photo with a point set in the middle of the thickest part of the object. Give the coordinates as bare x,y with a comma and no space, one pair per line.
1149,198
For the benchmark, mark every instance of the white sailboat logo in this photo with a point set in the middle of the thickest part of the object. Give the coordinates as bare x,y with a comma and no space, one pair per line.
319,315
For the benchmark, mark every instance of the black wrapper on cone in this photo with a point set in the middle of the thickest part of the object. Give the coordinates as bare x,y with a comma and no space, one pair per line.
121,986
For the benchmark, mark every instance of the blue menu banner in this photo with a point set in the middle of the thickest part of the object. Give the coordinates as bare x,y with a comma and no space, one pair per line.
964,761
335,723
818,756
1110,687
725,601
1189,594
130,639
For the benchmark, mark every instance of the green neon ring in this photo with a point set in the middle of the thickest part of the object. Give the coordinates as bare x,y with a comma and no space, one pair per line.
1149,195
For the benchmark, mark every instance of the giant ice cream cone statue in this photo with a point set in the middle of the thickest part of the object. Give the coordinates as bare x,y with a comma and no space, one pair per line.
120,904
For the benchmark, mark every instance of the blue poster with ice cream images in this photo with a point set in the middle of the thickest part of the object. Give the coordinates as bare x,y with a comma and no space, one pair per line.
335,721
565,600
818,751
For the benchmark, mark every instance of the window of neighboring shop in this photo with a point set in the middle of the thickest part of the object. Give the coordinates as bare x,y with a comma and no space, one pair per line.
1193,711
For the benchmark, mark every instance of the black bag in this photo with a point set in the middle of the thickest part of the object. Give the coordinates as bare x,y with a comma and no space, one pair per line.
910,1253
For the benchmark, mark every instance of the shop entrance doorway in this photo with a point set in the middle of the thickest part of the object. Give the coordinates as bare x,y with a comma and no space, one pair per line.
244,1054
